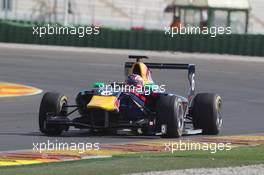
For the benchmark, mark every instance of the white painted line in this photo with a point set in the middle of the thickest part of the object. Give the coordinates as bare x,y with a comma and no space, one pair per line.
173,55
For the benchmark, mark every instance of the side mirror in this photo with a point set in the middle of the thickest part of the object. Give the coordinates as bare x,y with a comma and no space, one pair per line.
98,85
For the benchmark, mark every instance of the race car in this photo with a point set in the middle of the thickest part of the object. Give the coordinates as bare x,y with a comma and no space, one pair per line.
138,106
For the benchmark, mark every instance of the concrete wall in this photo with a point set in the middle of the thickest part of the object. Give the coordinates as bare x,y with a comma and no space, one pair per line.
257,17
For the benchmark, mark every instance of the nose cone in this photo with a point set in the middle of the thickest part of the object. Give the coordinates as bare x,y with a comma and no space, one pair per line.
107,103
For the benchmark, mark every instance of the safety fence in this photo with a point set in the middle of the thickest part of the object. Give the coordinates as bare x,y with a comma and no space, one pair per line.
235,44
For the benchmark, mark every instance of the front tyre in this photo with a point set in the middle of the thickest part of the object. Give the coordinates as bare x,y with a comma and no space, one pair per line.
171,114
52,105
206,113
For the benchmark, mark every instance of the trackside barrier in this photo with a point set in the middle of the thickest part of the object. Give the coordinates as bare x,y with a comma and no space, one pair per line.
235,44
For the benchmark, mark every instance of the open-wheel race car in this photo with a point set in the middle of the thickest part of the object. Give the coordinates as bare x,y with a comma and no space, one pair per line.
138,106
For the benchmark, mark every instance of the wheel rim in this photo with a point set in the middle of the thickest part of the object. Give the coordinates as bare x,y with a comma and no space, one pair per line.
44,124
219,119
180,119
63,103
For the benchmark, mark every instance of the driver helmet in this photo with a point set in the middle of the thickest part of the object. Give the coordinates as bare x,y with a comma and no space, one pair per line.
135,80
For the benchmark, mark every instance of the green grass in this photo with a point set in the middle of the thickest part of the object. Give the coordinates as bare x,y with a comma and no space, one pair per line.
145,162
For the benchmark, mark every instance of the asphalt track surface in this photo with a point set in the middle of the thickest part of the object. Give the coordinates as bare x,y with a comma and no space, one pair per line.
239,82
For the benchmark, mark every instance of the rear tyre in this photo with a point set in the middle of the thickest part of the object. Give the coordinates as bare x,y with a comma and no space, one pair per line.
52,105
206,113
171,114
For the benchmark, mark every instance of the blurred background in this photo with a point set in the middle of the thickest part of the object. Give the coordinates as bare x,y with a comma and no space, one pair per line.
243,16
148,14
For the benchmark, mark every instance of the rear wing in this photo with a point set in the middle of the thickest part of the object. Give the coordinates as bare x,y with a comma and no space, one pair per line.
189,67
